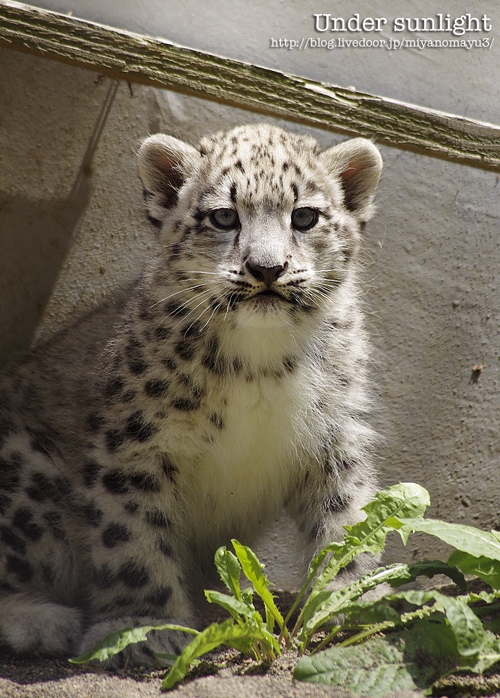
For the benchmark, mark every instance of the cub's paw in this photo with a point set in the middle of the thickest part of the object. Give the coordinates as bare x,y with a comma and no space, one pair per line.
140,653
33,626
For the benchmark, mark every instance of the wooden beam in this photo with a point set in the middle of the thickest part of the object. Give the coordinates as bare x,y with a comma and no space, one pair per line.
157,62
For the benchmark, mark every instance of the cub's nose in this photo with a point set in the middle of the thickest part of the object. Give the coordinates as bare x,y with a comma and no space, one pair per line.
266,274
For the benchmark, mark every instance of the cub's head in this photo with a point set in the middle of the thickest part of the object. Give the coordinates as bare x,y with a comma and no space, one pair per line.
266,220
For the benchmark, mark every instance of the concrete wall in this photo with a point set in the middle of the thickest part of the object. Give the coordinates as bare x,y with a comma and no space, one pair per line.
70,233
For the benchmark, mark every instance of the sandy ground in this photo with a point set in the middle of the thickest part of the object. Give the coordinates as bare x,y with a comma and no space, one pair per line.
44,678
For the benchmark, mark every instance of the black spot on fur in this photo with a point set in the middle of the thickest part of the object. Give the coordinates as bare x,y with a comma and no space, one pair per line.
134,576
135,360
9,473
185,349
131,507
91,470
113,388
163,332
42,441
128,396
114,439
175,251
212,360
6,424
12,540
115,481
345,464
41,488
23,520
317,530
165,547
114,534
175,308
55,523
168,467
289,364
157,518
20,568
328,466
184,404
94,422
145,482
336,503
191,330
103,577
156,388
159,596
93,515
217,420
148,196
139,430
62,490
5,503
169,363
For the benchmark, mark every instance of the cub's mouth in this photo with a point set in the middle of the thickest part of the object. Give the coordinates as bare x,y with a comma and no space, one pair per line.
268,293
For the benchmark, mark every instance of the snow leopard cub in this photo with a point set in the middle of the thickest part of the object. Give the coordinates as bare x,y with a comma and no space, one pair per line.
228,384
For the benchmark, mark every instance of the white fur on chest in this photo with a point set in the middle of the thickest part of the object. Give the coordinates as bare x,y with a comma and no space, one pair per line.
244,472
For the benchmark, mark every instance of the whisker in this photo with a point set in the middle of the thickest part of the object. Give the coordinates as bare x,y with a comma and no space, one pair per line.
176,293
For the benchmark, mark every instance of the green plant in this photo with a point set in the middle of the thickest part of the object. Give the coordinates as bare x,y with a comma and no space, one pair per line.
422,636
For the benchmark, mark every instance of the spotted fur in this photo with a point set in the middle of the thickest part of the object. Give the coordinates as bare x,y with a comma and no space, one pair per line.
225,386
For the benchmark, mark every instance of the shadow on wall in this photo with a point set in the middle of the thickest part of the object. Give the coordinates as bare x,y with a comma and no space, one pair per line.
36,238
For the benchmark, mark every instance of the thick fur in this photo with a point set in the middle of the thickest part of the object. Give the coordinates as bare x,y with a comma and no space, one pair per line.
229,383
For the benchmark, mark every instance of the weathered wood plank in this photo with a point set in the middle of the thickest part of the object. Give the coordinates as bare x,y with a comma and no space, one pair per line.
161,63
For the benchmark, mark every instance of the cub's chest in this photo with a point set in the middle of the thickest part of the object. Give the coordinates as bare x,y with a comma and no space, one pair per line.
243,424
245,463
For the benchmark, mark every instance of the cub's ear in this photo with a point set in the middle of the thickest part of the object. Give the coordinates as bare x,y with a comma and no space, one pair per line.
164,163
358,164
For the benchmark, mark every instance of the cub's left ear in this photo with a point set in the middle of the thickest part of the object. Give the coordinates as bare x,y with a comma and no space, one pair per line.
358,164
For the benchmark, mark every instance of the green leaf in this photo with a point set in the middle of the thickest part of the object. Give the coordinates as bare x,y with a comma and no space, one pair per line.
469,634
313,568
217,634
321,606
373,668
382,515
408,660
465,538
117,641
235,607
429,568
485,568
253,570
370,613
485,659
467,628
229,570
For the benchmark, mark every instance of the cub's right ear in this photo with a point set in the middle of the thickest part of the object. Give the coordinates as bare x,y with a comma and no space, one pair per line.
164,163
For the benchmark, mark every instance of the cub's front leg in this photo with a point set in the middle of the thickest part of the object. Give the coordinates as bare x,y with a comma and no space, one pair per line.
135,575
328,498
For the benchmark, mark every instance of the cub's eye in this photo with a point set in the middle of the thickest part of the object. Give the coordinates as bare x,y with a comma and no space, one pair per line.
224,218
304,218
